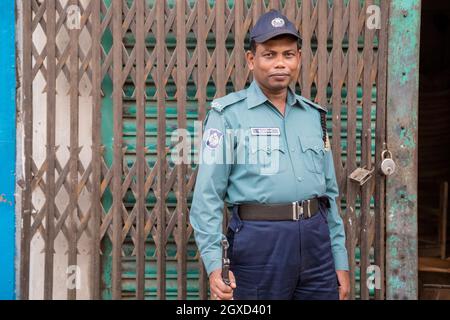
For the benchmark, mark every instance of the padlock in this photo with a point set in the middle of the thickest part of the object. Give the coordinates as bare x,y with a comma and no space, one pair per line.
387,163
361,175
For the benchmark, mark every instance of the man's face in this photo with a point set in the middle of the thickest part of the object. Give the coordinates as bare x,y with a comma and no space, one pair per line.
275,63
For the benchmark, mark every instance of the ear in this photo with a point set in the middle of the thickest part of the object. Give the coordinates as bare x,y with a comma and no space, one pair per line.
250,59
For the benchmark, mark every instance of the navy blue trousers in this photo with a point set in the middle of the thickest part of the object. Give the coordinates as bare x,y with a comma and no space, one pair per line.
285,260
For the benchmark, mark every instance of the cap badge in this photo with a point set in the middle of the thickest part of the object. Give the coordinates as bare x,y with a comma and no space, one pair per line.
278,22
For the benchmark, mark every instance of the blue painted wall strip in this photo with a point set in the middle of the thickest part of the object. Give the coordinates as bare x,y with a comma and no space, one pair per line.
7,149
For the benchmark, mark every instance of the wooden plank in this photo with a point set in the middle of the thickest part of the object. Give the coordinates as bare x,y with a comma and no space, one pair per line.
306,34
181,208
51,149
352,84
161,150
201,98
27,106
74,151
117,163
402,124
433,264
140,148
96,210
443,205
380,139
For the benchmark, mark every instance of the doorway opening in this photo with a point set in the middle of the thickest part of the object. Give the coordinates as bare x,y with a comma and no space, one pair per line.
433,151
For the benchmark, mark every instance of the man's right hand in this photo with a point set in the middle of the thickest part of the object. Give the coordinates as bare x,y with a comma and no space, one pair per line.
219,290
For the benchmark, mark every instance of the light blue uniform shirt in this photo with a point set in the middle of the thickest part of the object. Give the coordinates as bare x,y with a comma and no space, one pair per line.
251,153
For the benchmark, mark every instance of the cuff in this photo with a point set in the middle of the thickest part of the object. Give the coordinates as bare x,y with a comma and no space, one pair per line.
212,261
340,260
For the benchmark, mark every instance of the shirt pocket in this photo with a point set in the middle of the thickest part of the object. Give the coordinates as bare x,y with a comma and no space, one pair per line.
268,158
313,153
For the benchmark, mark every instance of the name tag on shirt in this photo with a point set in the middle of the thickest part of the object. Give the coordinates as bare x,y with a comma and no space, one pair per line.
265,131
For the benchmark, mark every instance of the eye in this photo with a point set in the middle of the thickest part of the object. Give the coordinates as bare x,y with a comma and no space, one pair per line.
267,54
290,54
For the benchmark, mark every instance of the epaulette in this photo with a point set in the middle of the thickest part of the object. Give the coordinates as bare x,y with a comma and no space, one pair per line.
221,103
313,104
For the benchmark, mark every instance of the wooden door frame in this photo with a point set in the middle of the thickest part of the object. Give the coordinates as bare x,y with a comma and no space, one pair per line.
401,130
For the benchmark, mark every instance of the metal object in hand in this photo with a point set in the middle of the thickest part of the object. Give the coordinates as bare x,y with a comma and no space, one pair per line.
225,263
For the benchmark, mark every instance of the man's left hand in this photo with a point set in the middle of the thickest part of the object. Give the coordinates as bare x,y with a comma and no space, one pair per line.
344,284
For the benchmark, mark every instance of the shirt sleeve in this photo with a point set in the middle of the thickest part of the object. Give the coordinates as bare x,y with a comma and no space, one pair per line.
335,223
206,214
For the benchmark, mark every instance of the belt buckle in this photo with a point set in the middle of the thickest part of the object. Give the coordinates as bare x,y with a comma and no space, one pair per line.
308,207
297,211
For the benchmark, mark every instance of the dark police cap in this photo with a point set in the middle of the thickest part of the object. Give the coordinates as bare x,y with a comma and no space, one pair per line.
270,25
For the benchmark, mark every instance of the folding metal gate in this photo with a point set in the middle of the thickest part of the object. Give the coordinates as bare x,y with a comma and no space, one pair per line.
125,75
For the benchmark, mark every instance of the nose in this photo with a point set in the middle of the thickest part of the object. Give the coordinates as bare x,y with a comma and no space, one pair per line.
280,63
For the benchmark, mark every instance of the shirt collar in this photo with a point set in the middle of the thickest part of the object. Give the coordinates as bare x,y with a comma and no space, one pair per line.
292,98
256,97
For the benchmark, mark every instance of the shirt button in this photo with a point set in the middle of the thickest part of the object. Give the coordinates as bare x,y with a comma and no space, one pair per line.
300,179
292,150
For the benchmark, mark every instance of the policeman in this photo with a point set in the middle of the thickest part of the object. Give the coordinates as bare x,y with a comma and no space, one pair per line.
265,151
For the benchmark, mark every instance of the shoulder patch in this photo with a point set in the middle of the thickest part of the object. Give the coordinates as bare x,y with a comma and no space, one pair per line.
221,103
213,137
314,105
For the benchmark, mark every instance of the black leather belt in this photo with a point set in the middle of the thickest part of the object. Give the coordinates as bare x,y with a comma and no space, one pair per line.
297,210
